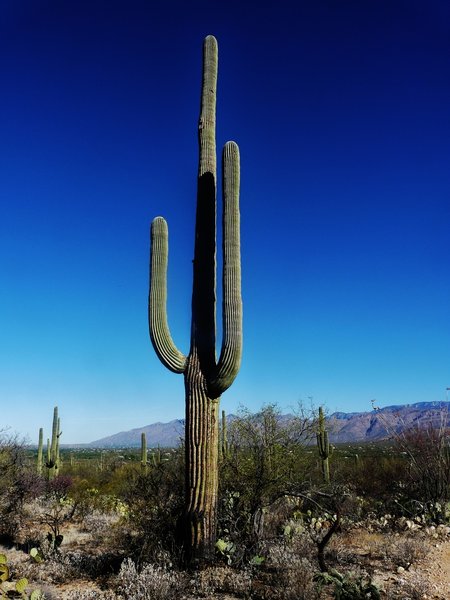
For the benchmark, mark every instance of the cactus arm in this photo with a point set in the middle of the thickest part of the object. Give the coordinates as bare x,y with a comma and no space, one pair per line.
231,351
160,336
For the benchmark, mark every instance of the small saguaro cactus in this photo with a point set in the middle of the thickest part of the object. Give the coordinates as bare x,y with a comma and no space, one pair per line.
53,458
143,451
205,377
324,446
156,456
58,455
40,451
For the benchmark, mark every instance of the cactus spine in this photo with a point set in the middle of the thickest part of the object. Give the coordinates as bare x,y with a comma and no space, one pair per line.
324,446
205,377
40,451
143,451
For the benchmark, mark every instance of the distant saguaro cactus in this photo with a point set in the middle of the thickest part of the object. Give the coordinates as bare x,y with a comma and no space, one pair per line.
40,451
205,377
324,446
143,451
53,458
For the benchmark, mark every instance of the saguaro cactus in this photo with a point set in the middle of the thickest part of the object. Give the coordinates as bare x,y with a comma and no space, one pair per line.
53,458
205,377
40,451
143,451
324,446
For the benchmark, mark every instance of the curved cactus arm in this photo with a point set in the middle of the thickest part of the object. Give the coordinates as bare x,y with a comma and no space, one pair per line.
231,351
162,341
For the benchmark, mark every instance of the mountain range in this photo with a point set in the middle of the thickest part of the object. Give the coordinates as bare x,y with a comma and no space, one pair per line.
374,425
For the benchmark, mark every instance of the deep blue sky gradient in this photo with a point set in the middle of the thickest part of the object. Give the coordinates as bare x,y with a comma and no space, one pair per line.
341,112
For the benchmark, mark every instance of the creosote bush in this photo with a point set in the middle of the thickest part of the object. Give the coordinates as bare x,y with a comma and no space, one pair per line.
149,583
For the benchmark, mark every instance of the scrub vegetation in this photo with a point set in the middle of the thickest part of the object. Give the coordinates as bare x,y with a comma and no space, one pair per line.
109,523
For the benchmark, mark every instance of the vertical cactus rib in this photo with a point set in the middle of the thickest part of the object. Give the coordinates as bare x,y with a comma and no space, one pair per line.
162,341
231,351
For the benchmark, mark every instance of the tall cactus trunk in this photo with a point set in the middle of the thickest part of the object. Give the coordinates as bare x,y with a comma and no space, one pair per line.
201,476
205,377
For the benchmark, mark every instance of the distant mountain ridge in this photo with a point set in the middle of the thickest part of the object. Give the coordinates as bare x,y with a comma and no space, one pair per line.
382,423
343,427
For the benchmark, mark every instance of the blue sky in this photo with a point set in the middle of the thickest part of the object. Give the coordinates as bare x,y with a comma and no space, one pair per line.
341,112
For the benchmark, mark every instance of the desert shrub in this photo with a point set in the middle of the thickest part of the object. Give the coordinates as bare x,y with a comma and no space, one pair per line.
413,588
150,583
90,595
65,567
266,457
221,579
293,565
59,487
99,525
377,481
403,551
424,450
148,532
427,473
15,486
54,569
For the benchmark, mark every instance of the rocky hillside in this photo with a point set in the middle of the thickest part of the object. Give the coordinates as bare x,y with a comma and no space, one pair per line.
166,435
381,424
343,427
